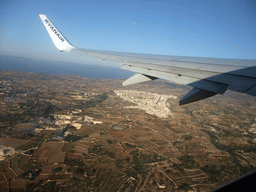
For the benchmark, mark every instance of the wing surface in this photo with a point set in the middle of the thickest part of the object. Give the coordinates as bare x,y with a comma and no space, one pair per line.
208,76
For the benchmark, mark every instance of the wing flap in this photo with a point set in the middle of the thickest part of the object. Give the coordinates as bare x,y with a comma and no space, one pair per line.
195,95
171,65
195,82
162,75
246,72
219,61
235,82
252,91
177,70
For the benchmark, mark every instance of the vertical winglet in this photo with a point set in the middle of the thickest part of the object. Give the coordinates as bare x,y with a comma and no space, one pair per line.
58,39
196,95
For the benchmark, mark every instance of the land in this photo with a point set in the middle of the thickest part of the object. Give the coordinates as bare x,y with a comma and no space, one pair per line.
71,133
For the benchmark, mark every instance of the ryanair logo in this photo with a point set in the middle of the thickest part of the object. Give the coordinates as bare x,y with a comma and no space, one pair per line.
54,30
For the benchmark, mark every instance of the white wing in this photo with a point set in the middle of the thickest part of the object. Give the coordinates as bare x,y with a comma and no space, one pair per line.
208,76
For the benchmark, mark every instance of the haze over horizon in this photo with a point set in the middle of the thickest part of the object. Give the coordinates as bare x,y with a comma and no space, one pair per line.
223,29
24,64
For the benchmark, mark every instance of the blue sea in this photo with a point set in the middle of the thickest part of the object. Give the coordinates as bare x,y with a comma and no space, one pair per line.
63,68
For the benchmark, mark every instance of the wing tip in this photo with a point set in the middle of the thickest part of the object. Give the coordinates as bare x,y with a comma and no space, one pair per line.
58,39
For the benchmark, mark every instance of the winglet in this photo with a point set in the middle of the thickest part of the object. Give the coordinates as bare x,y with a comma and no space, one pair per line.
58,39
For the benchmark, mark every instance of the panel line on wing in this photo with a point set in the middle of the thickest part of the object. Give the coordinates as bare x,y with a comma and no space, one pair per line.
185,66
158,61
199,74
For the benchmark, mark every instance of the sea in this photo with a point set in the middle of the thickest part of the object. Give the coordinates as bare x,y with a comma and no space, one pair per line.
23,64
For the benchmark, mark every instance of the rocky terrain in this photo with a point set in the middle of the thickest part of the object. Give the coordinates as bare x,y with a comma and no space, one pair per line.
71,133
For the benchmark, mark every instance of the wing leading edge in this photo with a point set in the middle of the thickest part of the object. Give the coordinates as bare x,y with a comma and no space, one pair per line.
208,76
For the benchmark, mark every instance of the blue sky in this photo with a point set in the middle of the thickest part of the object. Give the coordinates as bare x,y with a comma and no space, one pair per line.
224,29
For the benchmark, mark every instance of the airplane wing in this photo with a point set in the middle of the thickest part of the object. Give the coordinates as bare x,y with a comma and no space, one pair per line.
208,76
